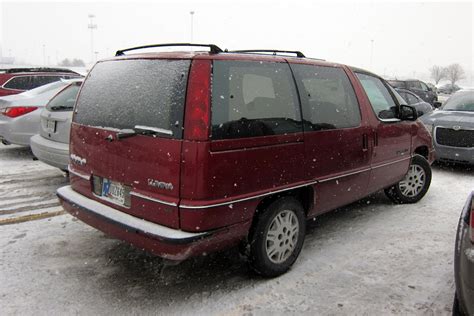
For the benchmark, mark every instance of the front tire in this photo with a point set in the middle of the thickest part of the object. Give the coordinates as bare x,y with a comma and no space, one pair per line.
415,184
277,237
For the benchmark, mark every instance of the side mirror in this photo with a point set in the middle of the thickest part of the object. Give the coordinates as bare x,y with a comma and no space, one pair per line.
437,104
408,113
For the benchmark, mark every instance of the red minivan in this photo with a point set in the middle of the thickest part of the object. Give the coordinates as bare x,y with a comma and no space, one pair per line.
184,153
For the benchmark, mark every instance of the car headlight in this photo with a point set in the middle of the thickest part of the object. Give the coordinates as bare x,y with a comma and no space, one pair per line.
429,127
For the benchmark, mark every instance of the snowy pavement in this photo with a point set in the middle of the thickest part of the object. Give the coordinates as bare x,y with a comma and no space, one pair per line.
27,187
369,258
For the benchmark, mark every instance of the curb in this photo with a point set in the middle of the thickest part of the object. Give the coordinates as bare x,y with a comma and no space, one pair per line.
31,217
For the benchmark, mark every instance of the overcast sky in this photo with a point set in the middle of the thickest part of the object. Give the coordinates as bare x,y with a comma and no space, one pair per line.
399,39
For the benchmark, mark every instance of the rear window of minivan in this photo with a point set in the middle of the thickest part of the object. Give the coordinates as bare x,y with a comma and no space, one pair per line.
124,93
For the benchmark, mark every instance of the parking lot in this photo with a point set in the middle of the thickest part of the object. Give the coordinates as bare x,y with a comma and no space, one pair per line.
372,257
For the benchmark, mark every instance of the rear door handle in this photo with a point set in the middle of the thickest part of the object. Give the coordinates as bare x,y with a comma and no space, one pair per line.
365,142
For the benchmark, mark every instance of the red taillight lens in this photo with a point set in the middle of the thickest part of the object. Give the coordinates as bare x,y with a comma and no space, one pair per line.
18,111
198,101
472,220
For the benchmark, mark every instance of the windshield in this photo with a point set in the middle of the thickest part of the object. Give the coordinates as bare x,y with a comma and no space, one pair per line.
461,101
126,93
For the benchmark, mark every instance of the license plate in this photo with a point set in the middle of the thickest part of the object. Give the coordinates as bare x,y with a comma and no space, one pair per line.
113,191
50,126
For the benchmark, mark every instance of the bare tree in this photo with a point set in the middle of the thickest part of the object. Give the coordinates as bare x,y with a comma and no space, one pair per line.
438,73
454,73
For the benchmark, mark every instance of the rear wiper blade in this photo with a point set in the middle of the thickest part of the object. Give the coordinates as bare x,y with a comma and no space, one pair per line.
143,130
61,107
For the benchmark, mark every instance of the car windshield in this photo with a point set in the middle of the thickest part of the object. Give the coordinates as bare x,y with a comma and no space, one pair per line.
44,88
461,101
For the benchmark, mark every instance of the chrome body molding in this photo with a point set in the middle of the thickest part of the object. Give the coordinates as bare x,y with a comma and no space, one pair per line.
291,188
344,175
79,174
247,198
145,197
392,162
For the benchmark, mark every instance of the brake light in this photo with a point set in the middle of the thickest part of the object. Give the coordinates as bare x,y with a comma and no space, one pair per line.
18,111
198,101
472,219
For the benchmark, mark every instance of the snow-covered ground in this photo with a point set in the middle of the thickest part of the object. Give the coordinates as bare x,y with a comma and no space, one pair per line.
27,187
369,258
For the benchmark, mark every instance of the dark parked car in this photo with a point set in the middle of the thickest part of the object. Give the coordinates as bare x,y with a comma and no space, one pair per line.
412,99
418,87
452,127
464,261
16,80
171,163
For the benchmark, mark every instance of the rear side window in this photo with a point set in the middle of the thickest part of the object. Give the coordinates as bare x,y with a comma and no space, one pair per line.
125,93
396,84
30,82
252,99
380,98
414,85
327,97
64,100
38,81
19,83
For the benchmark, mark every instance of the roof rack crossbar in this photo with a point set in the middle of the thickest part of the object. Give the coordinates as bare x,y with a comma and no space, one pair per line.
214,49
273,51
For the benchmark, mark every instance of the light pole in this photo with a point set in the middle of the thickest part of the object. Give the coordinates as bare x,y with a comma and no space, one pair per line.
92,27
371,52
192,24
44,54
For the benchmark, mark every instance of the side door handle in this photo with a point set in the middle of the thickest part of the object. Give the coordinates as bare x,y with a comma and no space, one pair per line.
365,142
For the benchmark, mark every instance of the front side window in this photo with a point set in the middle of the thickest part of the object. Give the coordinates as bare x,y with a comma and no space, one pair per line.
252,99
380,98
327,98
423,86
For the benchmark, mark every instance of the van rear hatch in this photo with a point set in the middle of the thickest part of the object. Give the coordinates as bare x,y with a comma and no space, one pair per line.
126,136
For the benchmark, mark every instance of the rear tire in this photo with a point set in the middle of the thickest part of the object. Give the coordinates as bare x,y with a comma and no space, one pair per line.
277,237
415,184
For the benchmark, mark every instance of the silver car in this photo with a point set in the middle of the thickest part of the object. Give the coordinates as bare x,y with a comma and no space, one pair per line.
20,113
452,127
51,145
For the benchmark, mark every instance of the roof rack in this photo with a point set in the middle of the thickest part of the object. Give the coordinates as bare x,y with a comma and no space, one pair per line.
273,51
38,69
214,49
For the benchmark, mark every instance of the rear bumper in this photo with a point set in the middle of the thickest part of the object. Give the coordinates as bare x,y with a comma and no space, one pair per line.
53,153
19,130
160,240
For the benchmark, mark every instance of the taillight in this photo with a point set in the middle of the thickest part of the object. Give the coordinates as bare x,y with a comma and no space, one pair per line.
472,219
198,101
18,111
